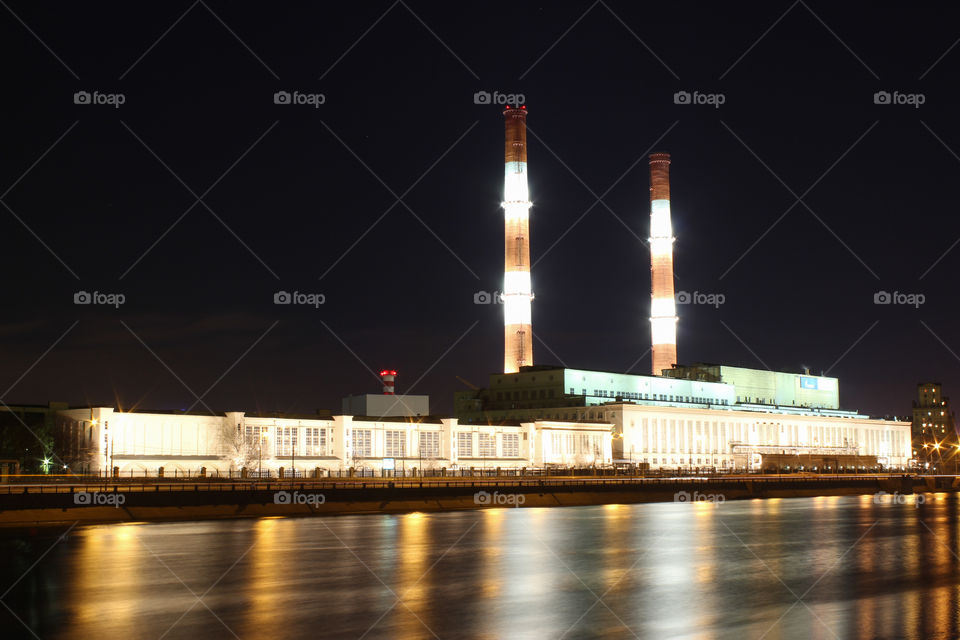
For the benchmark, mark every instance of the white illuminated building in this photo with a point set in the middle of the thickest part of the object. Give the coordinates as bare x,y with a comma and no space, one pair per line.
675,437
101,438
696,416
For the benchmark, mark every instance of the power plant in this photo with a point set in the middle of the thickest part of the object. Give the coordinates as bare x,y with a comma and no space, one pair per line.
698,416
517,293
701,415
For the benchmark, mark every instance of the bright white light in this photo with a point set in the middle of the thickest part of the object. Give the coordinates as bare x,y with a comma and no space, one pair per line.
516,308
660,226
515,182
660,247
663,308
516,282
515,211
663,330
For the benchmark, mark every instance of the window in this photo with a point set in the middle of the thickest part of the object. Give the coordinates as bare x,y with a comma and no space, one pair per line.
487,445
465,444
315,441
286,441
395,444
511,445
362,443
250,436
430,444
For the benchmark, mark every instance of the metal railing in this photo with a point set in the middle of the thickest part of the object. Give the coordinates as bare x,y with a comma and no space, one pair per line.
360,484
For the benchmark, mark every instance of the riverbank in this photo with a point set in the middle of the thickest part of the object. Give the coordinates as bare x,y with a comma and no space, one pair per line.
57,506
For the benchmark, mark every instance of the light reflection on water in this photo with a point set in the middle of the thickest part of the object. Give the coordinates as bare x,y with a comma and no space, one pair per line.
839,567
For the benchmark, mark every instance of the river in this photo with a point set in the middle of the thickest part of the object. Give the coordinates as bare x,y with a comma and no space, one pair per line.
830,567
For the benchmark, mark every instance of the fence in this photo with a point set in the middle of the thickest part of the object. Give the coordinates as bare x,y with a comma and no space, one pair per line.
568,482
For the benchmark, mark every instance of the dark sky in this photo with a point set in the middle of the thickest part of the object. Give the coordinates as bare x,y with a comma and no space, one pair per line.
303,198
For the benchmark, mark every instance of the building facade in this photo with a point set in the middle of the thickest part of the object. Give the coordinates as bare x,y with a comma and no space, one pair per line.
96,439
935,440
701,416
731,439
759,386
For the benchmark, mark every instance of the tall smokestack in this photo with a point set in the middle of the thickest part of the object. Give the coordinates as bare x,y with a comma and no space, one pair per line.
663,308
517,327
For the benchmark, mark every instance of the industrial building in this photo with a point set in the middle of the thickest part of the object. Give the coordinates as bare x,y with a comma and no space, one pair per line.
98,439
390,433
678,423
681,416
763,387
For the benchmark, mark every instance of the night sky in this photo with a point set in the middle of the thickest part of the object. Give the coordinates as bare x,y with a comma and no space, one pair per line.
304,198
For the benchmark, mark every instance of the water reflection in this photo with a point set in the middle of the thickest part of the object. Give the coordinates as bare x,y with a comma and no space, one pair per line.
846,567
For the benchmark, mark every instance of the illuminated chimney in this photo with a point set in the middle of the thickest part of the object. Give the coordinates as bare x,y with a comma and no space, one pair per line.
517,294
663,308
388,376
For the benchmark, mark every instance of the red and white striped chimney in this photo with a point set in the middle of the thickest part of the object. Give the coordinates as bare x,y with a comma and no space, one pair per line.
388,376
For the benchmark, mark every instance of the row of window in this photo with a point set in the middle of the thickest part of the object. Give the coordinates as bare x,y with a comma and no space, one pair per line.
395,444
534,394
575,444
636,395
286,442
669,435
700,461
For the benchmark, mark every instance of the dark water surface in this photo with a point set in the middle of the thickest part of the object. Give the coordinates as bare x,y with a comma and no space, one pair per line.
832,567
